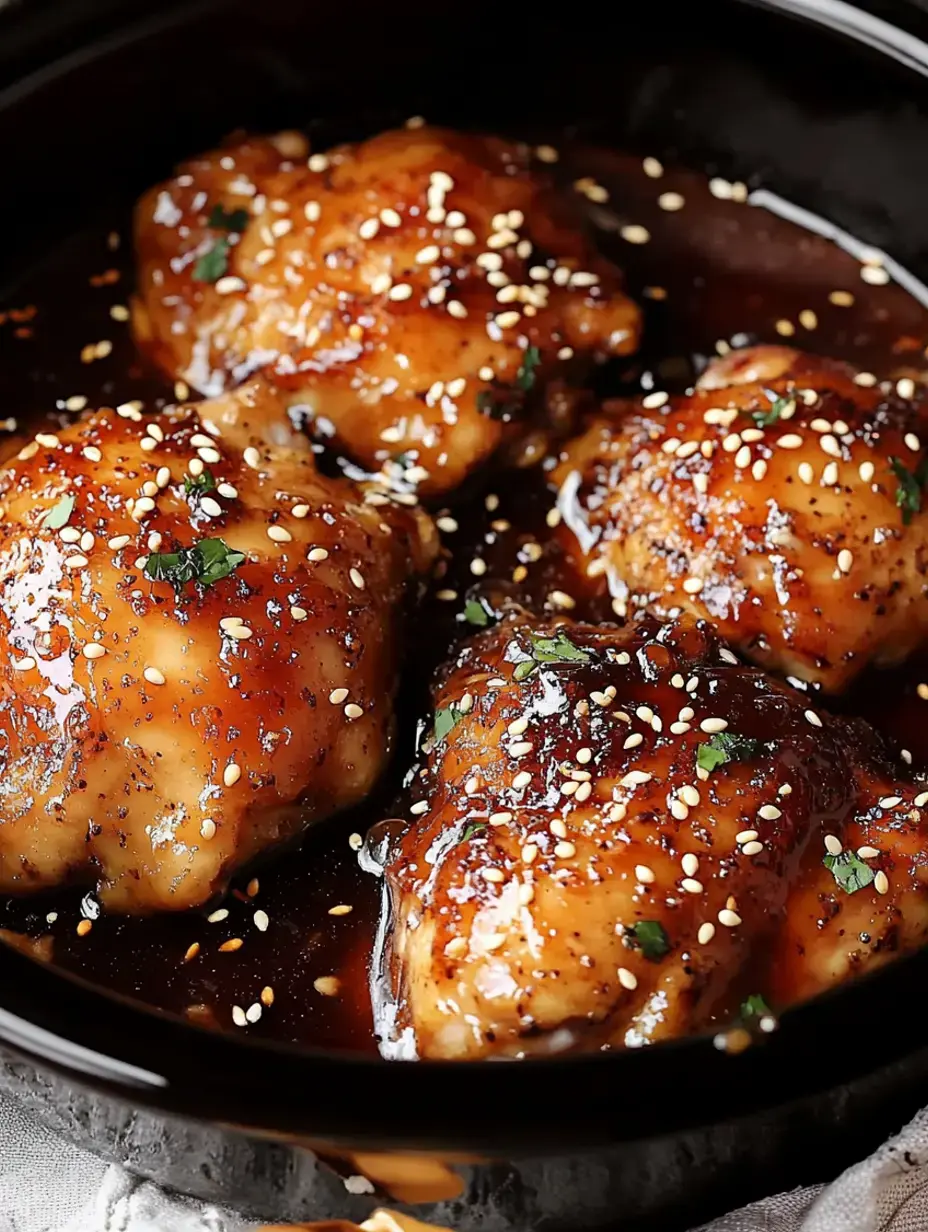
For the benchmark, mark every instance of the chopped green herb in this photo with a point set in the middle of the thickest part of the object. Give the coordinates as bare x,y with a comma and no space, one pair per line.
525,377
497,403
650,937
206,563
198,485
764,419
476,614
557,649
59,513
228,220
849,871
755,1007
910,487
472,828
726,746
445,719
213,263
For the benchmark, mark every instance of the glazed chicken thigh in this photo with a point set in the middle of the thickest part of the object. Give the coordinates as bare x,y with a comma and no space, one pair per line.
607,829
408,293
782,500
198,647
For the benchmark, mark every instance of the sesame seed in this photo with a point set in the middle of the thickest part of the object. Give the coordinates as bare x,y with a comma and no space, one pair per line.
841,299
905,388
317,554
671,201
746,836
400,291
420,807
790,441
353,711
208,828
813,718
888,802
230,946
875,275
912,442
692,585
521,780
752,849
881,883
261,921
635,778
192,952
299,613
627,979
211,507
153,675
769,812
218,916
93,650
456,947
635,234
644,874
565,850
690,863
251,457
730,919
713,726
652,401
806,473
867,853
357,578
921,800
92,453
691,886
833,845
279,534
84,928
238,1016
558,828
231,774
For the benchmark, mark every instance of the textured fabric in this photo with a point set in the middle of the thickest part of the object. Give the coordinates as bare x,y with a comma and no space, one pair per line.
47,1185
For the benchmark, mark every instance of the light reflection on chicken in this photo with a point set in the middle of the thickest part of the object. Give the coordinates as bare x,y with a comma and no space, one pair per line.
606,832
155,734
769,502
411,293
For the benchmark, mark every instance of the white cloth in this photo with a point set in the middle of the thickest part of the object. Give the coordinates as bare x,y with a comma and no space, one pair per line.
46,1185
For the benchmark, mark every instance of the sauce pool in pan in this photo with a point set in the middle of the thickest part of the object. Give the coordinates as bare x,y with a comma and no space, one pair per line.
711,270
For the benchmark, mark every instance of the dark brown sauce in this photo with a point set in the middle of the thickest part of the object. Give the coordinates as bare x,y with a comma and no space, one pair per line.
724,271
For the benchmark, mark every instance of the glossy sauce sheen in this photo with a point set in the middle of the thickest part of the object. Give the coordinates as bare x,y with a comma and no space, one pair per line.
712,270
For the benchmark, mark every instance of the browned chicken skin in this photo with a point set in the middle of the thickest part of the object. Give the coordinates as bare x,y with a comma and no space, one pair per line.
608,830
407,292
154,739
768,501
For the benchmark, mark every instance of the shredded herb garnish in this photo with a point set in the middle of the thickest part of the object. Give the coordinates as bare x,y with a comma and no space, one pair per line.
910,487
651,938
59,513
778,408
726,746
849,871
206,563
228,220
525,377
557,649
472,828
198,485
213,263
445,720
506,401
476,614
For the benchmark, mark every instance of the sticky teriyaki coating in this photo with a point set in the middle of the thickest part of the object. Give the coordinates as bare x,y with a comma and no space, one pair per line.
612,826
413,294
782,500
198,651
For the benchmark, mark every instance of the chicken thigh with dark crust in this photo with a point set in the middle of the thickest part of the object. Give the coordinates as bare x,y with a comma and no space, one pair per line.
782,500
412,293
608,829
198,648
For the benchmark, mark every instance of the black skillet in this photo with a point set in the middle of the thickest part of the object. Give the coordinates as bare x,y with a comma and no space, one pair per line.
814,98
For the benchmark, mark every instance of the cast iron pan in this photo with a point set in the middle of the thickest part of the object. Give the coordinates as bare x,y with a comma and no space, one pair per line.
814,99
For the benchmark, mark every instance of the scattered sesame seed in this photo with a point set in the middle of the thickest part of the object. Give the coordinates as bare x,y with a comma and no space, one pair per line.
769,812
841,299
813,718
881,883
874,275
328,985
690,863
706,933
261,920
713,726
671,201
635,234
888,802
746,836
691,885
192,952
238,1016
153,675
230,946
627,979
93,650
251,457
208,828
84,927
231,774
341,909
752,849
353,711
867,853
565,850
728,918
833,845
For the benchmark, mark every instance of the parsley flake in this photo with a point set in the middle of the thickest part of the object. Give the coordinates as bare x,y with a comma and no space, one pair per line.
227,220
651,938
59,513
212,264
849,871
724,747
206,563
199,485
910,487
755,1007
525,377
557,649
